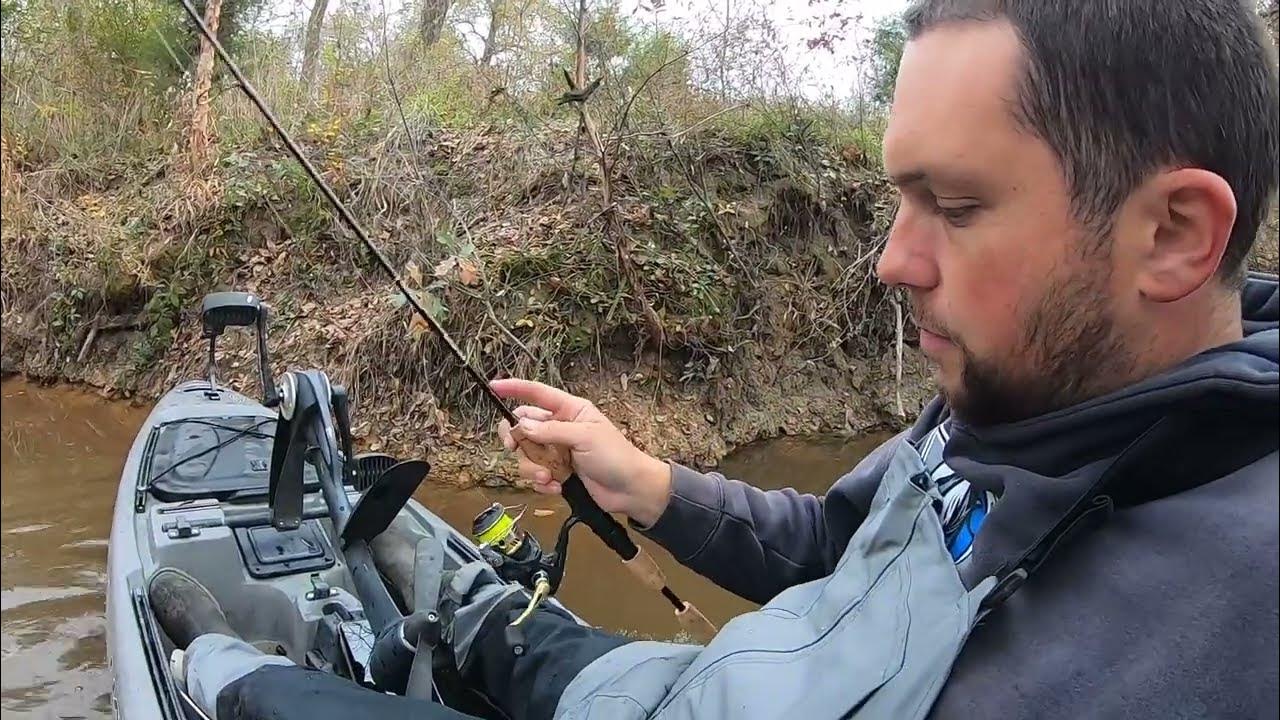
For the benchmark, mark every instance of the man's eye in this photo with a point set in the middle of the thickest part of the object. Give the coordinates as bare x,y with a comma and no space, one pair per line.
957,215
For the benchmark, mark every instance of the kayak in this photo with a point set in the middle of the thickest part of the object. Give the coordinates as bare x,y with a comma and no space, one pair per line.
212,485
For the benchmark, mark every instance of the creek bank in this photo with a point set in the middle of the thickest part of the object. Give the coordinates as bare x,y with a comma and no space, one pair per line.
668,418
737,301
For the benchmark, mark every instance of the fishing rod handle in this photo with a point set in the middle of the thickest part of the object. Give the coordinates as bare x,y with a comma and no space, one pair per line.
558,462
695,623
634,558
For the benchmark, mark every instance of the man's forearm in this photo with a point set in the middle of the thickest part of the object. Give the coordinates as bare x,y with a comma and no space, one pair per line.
752,542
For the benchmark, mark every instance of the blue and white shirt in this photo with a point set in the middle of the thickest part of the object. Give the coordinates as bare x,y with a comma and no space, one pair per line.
963,506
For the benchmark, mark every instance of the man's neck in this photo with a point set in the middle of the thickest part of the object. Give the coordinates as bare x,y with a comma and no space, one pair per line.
1185,331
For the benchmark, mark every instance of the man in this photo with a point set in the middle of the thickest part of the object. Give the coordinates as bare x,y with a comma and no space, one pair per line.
1084,523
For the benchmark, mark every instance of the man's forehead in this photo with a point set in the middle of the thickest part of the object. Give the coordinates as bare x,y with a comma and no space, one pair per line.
952,102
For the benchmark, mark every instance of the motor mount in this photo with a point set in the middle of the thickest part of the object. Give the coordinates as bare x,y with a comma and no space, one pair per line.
221,310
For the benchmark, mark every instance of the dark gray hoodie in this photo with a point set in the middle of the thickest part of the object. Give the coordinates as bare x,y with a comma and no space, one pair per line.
1158,595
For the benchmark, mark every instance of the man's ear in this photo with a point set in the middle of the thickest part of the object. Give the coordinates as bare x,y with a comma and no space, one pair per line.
1190,214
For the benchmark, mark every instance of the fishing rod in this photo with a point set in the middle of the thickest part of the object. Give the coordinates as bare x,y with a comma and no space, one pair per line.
556,460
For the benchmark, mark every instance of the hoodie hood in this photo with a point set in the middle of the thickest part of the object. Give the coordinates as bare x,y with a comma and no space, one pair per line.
1201,419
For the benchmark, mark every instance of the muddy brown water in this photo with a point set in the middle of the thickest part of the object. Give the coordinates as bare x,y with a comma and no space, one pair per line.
63,449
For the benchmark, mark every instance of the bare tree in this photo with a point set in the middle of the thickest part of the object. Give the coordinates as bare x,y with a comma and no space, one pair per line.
578,93
201,134
496,9
431,20
311,45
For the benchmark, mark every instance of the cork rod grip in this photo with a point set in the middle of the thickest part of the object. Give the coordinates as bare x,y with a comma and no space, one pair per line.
646,570
552,457
695,623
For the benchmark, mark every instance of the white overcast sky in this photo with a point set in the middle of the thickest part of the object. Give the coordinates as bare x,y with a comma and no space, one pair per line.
825,73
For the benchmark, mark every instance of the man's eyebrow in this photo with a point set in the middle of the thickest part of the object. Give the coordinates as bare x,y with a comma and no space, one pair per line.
936,178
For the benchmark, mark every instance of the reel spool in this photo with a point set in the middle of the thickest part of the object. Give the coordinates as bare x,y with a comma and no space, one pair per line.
494,528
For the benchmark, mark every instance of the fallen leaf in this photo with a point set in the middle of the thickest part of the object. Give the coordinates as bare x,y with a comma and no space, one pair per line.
417,326
445,266
467,272
414,272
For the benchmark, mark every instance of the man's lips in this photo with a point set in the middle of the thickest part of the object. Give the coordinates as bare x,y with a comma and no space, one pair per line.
932,341
927,328
931,344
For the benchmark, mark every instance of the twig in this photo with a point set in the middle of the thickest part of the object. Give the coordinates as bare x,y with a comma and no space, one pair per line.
897,319
88,342
395,92
413,143
699,189
612,229
626,110
680,133
96,328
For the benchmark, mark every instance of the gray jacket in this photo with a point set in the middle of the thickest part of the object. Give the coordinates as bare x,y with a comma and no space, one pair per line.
1164,605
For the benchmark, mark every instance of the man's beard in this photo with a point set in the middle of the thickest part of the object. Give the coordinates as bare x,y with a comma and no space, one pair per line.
1070,352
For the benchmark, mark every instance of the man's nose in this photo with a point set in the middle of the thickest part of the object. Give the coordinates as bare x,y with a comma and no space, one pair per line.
907,259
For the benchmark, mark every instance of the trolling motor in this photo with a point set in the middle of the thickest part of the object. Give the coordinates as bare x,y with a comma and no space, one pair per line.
222,310
314,428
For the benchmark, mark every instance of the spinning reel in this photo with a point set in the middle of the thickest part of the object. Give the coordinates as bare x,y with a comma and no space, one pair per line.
517,556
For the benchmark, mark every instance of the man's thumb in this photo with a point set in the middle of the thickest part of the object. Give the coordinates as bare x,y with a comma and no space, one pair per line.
553,432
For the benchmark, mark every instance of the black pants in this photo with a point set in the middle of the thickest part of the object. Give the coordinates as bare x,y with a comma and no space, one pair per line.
525,687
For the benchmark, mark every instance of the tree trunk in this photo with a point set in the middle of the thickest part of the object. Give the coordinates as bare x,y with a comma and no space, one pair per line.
580,51
491,37
431,20
311,45
613,230
201,135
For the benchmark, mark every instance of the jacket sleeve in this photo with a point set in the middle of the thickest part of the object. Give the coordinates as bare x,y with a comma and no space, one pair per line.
752,542
757,543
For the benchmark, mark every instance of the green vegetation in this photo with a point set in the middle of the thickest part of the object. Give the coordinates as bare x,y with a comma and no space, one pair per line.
739,239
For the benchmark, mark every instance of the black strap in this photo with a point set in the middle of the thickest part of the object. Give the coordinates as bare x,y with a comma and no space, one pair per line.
427,573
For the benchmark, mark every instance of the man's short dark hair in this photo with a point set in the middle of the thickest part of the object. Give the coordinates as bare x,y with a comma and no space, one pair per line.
1121,88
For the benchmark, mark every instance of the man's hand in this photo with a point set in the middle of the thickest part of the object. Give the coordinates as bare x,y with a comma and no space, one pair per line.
618,475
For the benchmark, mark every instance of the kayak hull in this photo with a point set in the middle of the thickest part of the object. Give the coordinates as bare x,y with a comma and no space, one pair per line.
263,579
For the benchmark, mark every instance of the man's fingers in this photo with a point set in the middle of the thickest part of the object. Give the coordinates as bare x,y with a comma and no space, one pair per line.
509,440
532,412
557,401
531,471
536,475
504,432
547,488
554,432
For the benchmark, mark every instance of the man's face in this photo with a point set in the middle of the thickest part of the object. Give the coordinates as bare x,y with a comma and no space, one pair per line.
1012,294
